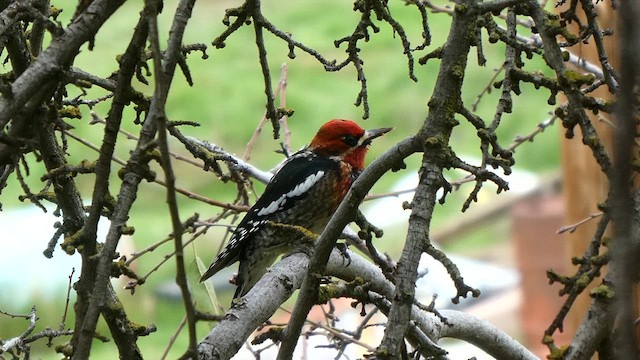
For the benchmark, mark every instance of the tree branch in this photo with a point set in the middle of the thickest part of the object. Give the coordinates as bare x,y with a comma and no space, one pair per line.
284,277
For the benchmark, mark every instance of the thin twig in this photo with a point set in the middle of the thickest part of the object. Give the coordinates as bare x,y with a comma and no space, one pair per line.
272,112
282,88
487,88
174,337
187,193
95,118
66,306
573,227
279,92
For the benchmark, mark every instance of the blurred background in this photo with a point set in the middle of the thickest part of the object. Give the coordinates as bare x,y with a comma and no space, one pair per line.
503,243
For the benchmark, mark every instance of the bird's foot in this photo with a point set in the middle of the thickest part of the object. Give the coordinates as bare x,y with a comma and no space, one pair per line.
342,248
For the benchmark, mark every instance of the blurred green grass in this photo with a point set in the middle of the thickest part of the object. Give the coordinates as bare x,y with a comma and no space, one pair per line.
228,100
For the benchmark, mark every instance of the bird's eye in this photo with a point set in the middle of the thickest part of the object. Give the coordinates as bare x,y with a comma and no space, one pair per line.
350,140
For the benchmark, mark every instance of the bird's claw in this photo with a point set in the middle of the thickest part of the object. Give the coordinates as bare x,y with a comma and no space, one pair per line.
342,248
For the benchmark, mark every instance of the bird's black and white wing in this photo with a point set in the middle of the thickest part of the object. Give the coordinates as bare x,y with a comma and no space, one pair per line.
290,185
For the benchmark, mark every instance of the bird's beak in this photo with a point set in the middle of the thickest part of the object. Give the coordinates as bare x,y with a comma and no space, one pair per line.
372,134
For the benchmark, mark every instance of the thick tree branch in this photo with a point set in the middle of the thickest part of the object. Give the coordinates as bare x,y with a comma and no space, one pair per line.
285,276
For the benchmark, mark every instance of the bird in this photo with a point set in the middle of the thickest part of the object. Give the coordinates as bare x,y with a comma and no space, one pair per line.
303,194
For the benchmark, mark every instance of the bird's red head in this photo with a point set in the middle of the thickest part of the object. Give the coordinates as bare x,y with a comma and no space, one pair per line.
346,140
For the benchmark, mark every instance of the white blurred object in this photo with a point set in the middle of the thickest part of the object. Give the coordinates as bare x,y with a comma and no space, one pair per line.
25,273
489,278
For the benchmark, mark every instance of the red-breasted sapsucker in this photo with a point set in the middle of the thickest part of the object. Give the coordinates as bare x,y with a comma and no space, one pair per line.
304,193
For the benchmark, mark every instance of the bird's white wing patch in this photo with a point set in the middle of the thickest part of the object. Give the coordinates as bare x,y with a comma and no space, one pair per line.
273,206
298,190
306,184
